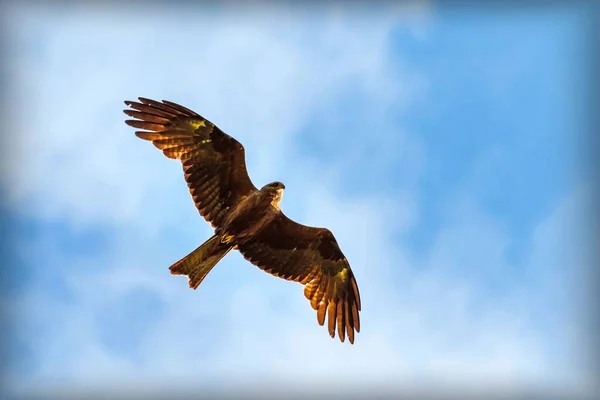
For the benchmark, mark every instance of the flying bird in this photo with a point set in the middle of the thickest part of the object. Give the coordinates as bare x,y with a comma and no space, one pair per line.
246,218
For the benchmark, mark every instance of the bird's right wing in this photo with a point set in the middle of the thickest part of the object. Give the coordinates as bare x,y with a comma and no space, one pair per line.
213,162
312,257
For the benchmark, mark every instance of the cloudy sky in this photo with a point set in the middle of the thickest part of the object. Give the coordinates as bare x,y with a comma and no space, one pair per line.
441,145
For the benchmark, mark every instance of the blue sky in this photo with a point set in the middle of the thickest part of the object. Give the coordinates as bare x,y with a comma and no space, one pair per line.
439,144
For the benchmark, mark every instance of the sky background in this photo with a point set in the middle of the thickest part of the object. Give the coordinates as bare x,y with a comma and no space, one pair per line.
441,145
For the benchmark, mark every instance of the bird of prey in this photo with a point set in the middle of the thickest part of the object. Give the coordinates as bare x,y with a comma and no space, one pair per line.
245,218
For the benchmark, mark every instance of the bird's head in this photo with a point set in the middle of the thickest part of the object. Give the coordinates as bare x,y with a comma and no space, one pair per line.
275,189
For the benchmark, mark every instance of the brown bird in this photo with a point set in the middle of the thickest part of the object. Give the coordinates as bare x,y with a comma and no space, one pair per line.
245,218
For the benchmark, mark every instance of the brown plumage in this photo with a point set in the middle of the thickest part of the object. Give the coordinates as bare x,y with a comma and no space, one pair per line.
248,219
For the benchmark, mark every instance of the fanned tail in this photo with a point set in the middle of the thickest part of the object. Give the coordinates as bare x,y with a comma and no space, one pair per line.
201,261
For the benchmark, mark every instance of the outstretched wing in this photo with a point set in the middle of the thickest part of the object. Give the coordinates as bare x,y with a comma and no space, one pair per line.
214,163
312,257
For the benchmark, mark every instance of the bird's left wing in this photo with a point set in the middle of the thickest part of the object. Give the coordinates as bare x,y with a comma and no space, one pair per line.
214,163
311,256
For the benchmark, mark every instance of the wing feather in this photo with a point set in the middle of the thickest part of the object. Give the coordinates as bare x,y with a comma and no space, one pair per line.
331,311
312,257
341,324
214,163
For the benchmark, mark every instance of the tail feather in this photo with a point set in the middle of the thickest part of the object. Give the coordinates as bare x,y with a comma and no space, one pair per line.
201,261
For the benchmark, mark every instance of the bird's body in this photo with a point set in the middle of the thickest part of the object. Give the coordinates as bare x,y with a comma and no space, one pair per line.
252,214
246,218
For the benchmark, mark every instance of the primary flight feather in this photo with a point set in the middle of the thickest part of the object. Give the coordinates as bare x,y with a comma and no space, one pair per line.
246,218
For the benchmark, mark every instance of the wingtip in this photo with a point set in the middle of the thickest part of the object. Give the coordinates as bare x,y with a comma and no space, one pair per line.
146,100
146,136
